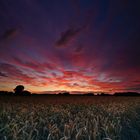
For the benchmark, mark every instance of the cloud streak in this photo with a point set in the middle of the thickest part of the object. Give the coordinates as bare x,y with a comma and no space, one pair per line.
100,49
3,74
69,35
9,33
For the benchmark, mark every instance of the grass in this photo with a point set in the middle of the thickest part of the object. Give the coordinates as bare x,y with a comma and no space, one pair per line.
69,118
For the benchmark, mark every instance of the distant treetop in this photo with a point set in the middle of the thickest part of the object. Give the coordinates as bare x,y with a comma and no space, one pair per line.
19,90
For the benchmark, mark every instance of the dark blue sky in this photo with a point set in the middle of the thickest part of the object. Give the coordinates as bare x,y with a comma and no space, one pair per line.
70,45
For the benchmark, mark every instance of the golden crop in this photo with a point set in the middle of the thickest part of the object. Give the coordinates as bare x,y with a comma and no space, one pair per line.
69,118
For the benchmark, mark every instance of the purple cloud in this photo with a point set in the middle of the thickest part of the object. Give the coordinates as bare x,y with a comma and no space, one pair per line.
10,33
68,35
3,74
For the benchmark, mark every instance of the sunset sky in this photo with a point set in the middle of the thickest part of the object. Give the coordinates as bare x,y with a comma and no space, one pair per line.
74,45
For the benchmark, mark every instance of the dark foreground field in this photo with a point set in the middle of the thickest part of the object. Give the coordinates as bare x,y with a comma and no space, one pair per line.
69,118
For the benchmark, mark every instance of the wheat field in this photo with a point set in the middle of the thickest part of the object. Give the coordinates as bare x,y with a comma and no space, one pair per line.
69,118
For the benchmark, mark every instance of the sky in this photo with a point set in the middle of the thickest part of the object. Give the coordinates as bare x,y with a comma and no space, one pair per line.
72,45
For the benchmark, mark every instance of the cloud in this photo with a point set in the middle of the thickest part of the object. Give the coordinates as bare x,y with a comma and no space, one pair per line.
68,35
72,32
75,84
134,88
10,33
35,65
15,74
79,49
3,74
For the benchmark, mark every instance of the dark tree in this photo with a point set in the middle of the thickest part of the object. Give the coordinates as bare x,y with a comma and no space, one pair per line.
19,89
26,93
126,94
66,93
90,94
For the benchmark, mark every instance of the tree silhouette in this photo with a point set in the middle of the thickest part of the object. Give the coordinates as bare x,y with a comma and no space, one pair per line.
66,93
25,92
19,89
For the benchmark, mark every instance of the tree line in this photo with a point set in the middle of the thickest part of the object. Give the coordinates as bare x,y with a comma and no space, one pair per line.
19,90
